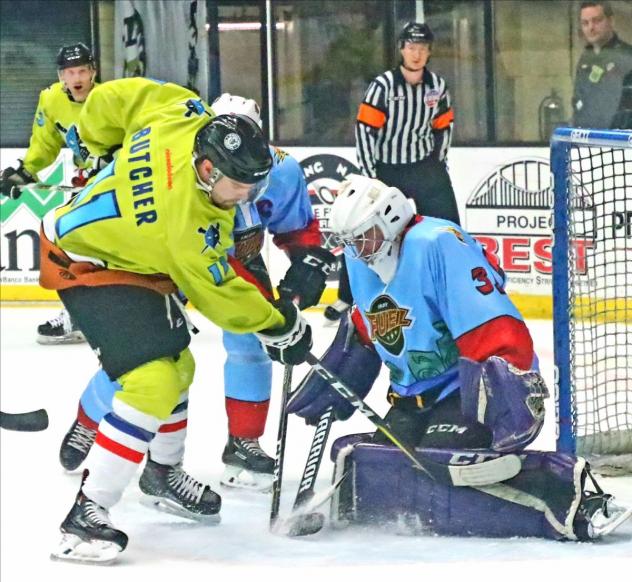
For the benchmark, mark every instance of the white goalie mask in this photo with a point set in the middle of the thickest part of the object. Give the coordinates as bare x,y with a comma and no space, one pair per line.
368,218
227,103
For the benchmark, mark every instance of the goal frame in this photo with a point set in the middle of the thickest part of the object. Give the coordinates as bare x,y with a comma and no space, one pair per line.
562,141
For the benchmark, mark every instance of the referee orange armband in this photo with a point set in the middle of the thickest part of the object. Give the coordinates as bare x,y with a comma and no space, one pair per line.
443,120
371,116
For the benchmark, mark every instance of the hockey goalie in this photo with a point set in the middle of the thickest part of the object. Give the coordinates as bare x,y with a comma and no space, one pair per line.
465,385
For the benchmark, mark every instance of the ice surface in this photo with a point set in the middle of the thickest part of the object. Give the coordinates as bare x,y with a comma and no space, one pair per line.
36,494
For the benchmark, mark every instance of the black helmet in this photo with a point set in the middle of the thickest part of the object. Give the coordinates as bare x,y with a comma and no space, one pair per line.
415,32
74,55
236,146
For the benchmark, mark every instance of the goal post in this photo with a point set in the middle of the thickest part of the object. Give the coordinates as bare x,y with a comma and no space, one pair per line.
592,291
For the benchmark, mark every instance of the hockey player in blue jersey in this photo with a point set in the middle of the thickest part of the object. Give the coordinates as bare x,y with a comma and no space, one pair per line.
464,382
284,210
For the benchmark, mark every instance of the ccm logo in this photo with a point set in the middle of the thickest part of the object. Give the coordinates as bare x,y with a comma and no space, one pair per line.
446,428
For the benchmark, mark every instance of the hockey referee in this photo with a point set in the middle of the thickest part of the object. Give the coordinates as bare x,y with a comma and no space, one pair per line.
404,127
403,132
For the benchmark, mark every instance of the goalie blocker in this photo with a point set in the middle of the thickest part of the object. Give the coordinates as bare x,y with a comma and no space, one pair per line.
549,498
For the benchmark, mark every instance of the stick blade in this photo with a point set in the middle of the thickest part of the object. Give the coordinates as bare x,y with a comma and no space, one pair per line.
299,524
305,525
34,421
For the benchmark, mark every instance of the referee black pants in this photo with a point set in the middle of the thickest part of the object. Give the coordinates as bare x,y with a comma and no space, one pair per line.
427,182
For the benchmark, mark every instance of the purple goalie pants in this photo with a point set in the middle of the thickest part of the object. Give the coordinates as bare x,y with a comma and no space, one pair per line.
381,487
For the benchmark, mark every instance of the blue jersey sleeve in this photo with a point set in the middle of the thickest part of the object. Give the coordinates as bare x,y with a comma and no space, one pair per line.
285,205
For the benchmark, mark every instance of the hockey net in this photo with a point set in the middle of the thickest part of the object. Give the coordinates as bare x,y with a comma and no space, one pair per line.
592,294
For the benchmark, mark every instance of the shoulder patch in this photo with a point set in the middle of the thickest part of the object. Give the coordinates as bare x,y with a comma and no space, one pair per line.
279,154
457,233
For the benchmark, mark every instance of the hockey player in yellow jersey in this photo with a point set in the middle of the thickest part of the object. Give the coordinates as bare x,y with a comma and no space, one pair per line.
160,216
55,127
56,118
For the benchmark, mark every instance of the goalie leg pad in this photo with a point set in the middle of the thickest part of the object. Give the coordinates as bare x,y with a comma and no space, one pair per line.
508,401
357,366
382,487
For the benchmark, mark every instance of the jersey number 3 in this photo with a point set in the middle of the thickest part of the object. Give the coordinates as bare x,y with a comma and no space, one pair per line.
480,274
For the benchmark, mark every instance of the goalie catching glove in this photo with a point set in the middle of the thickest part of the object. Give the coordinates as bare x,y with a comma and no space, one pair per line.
291,343
306,278
12,180
356,364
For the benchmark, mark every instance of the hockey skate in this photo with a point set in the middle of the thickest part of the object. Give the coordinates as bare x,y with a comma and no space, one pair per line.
59,330
247,465
170,489
76,446
334,312
88,535
599,516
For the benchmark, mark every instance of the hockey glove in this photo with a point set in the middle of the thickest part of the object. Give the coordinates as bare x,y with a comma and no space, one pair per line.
307,276
291,343
356,364
12,180
508,401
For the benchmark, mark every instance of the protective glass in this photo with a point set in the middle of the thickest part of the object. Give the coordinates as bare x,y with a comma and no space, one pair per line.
255,191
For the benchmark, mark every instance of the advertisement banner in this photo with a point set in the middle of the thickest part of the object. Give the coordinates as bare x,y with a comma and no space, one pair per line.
19,229
503,194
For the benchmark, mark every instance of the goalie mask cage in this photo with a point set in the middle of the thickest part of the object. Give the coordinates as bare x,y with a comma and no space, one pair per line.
592,294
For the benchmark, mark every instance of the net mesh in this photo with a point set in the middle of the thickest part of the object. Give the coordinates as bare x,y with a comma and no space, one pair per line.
600,282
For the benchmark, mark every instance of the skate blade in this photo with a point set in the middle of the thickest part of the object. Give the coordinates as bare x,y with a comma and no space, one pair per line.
97,552
168,506
240,478
612,524
75,337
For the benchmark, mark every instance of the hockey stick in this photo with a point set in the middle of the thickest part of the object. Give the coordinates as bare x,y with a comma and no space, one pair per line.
53,187
303,521
463,475
25,421
280,448
17,192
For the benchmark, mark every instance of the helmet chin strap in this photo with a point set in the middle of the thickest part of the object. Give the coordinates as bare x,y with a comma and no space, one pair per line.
411,69
206,187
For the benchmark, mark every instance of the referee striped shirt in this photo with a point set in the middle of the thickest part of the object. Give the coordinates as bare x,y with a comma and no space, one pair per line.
400,123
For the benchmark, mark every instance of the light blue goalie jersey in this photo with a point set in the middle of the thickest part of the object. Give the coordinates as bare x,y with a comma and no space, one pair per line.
444,288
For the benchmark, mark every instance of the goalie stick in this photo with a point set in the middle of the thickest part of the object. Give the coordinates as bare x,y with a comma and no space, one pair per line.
472,475
303,520
34,421
280,448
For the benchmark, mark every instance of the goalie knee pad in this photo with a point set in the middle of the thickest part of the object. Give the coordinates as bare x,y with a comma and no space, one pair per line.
508,401
546,499
357,366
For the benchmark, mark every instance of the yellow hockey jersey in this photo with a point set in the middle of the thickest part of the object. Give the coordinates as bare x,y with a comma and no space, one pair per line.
144,213
55,127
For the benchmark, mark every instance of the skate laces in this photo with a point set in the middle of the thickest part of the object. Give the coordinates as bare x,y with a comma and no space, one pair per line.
96,514
185,485
62,320
251,446
82,437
